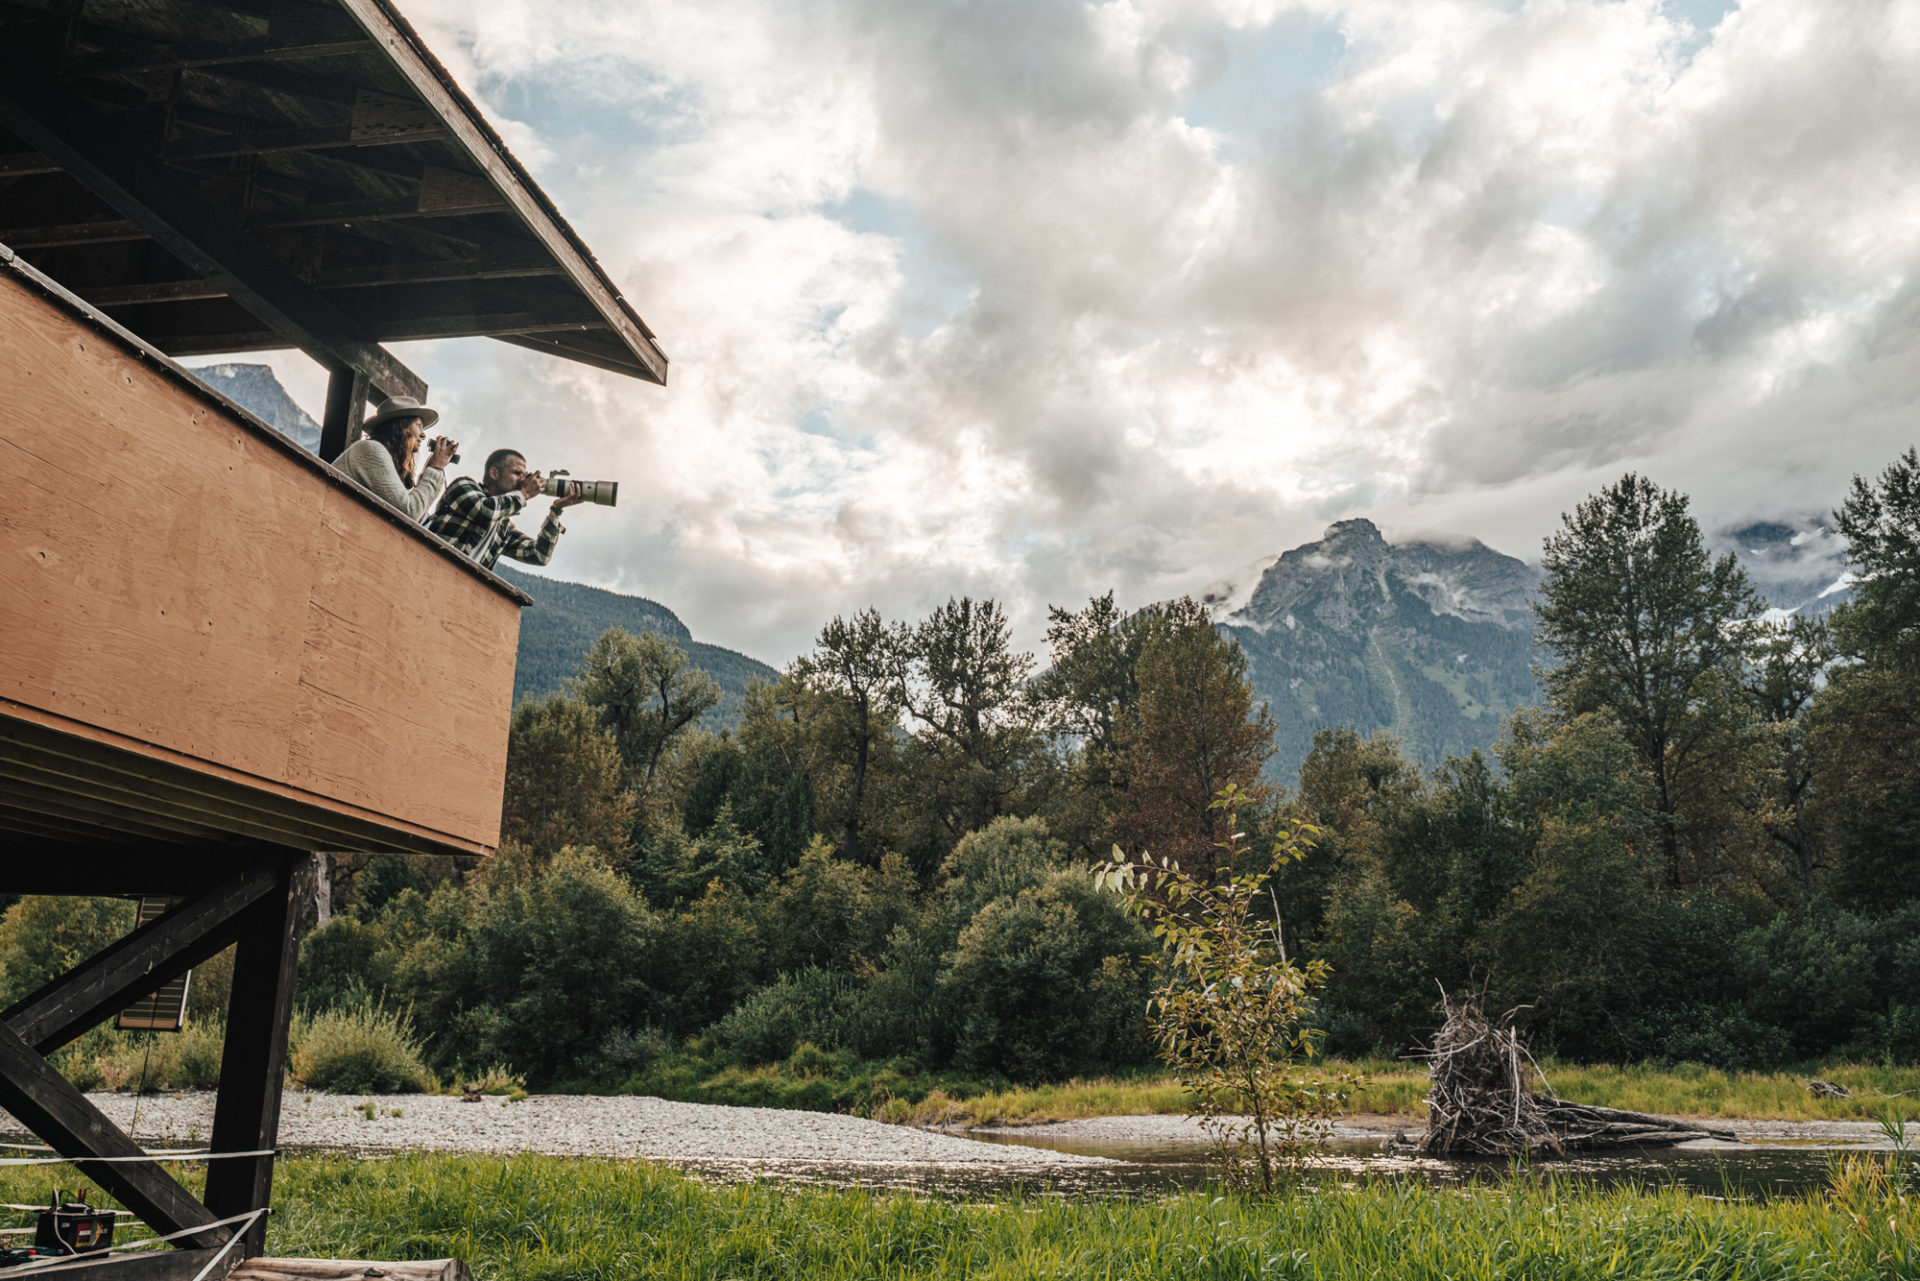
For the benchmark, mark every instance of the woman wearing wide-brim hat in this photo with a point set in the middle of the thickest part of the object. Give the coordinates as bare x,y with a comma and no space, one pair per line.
383,459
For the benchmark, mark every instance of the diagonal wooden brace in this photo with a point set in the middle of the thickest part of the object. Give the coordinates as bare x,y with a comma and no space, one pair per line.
138,964
47,1104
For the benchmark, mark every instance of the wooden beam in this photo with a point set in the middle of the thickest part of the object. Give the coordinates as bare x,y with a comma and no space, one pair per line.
212,811
22,164
246,1114
352,211
382,275
268,48
139,868
100,231
346,410
91,761
436,88
92,147
377,277
37,797
151,292
552,344
141,963
39,827
49,1106
148,1265
269,142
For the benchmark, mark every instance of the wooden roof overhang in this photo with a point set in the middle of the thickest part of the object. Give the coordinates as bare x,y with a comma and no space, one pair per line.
236,175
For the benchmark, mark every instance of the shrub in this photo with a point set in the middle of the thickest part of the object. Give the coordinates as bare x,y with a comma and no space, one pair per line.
560,959
998,861
360,1049
816,1006
828,911
341,961
1048,983
106,1058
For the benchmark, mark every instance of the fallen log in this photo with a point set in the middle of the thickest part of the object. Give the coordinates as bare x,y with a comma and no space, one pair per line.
1481,1101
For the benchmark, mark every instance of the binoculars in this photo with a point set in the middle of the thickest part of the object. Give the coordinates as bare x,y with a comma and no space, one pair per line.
602,492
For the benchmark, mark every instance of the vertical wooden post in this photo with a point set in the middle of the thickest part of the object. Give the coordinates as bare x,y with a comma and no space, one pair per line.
346,409
246,1113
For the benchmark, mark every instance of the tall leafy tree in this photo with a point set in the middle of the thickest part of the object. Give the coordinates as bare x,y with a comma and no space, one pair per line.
564,781
1194,732
975,750
850,689
1088,699
1649,629
1871,718
646,692
1788,664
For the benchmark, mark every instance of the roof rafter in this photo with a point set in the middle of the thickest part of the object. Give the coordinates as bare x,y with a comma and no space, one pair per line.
43,111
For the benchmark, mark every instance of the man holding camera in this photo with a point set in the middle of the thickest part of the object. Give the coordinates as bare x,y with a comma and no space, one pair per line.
473,515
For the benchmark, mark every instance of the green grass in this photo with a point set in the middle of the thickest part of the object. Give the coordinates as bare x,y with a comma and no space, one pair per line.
532,1218
1688,1089
901,1092
558,1219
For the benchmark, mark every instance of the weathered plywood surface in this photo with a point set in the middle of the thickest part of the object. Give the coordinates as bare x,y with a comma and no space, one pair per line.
350,1270
169,575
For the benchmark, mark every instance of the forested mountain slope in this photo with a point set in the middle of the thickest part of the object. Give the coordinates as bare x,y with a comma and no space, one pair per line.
566,618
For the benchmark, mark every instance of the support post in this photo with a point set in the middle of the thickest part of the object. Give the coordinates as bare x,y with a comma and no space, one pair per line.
346,409
246,1115
136,965
48,1105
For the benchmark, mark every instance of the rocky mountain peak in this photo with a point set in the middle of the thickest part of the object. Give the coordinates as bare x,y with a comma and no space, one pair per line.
1353,575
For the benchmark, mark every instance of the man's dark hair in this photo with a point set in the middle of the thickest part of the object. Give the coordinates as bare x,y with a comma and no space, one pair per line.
498,458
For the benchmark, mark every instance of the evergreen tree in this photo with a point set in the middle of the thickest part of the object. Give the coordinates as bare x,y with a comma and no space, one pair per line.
1649,629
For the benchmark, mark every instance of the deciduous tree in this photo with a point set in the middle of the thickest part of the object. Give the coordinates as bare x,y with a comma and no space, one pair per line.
1649,629
646,692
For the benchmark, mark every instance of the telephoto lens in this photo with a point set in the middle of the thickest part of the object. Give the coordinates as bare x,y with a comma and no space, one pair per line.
603,492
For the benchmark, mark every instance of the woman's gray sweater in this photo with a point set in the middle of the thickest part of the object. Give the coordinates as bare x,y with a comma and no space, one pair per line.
368,462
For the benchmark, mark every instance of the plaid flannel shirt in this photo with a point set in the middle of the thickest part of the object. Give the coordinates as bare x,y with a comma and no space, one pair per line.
476,522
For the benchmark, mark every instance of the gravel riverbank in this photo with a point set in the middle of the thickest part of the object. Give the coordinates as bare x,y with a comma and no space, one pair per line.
746,1139
577,1125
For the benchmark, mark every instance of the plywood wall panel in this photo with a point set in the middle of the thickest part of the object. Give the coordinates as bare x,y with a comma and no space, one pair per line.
168,574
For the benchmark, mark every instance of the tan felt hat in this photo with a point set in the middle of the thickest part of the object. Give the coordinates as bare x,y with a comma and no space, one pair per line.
402,407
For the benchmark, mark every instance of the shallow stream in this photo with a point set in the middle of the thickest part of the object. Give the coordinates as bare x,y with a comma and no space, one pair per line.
1758,1170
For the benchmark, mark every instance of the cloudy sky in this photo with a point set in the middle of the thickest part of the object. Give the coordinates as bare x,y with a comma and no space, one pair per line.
1035,298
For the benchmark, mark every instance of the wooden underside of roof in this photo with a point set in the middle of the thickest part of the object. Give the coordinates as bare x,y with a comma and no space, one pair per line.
236,175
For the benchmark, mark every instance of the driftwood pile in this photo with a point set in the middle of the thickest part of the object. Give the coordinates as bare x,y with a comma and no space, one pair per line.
1482,1102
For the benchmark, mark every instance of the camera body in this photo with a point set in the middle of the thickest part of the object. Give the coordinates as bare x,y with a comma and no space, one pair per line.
601,492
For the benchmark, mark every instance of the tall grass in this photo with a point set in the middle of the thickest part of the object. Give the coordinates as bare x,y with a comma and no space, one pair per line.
532,1218
1397,1088
109,1059
541,1218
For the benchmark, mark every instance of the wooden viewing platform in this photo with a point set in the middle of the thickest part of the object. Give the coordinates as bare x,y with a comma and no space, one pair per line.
218,655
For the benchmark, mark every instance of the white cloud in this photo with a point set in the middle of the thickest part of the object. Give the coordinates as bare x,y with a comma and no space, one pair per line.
960,298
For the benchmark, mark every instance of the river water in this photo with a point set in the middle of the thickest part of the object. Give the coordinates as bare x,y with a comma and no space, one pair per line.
1748,1171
